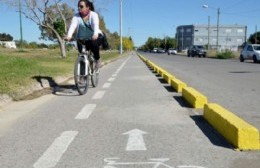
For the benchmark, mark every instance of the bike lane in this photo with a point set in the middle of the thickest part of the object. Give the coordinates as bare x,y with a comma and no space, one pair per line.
131,120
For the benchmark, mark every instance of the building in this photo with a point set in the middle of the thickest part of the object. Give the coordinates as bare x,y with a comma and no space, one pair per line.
229,36
8,44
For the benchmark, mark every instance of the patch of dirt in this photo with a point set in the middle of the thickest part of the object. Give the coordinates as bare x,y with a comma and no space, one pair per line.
42,86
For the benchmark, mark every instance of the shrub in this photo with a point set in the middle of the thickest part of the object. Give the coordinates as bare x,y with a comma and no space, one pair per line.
225,55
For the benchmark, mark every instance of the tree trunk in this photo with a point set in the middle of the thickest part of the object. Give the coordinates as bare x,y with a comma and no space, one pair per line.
62,47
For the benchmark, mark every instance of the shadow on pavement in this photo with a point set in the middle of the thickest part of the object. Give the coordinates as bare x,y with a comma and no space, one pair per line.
214,137
62,89
182,102
169,88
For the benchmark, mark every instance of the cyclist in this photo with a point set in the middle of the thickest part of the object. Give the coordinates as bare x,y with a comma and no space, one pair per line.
86,25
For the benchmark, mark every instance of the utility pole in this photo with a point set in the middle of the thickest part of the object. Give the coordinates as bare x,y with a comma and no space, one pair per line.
21,29
164,41
177,41
182,39
218,27
121,21
208,32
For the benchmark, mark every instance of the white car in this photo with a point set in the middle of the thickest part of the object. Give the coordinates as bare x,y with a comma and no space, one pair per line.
250,52
172,51
155,50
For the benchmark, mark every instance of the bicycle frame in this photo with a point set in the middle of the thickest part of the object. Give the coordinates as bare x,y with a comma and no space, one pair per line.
84,54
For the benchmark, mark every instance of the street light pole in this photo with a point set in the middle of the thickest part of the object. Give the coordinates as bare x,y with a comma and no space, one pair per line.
121,21
218,12
21,29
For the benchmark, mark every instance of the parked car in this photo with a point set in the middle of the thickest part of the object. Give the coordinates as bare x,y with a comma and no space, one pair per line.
172,51
160,50
198,50
154,50
250,52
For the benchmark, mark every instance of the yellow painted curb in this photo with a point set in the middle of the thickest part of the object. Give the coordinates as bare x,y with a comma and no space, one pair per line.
168,77
238,132
194,98
178,85
161,72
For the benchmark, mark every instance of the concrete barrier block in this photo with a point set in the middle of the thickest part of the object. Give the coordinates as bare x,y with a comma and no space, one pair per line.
168,77
178,85
236,131
161,72
155,68
194,98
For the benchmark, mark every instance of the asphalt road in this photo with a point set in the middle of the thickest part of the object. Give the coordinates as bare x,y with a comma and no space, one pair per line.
131,120
230,83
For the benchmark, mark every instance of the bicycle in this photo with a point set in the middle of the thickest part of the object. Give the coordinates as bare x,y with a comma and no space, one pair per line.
85,69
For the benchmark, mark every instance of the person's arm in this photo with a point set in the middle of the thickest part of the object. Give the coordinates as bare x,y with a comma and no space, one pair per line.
73,27
95,23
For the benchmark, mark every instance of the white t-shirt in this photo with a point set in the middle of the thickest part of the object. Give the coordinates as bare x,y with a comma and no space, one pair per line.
93,20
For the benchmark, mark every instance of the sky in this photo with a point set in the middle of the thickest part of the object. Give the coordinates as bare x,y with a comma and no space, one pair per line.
149,18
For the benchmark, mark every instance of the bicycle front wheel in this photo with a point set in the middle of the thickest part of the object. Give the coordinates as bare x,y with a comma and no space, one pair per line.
80,77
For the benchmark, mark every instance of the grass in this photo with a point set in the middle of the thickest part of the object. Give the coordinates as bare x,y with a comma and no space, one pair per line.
18,69
223,55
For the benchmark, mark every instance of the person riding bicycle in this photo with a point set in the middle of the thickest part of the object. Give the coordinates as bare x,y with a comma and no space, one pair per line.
86,24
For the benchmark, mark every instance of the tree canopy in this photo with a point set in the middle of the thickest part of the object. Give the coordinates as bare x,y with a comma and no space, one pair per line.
254,38
5,37
165,43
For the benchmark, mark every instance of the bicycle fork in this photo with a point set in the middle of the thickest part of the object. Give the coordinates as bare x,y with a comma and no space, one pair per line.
85,61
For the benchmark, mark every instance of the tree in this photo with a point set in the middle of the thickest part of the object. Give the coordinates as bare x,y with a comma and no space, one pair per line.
52,17
166,43
254,38
6,37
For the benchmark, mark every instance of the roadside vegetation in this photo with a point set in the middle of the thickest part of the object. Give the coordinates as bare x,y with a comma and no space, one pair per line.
20,68
223,55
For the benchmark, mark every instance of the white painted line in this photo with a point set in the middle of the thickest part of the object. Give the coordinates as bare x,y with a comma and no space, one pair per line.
111,79
53,154
106,85
121,66
114,75
86,112
99,95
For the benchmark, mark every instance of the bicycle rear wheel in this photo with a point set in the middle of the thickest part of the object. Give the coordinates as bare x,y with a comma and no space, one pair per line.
81,80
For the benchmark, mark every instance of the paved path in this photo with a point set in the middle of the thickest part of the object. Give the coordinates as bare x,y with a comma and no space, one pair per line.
131,120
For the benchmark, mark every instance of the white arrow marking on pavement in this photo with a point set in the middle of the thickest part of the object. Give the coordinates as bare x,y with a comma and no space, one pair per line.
135,140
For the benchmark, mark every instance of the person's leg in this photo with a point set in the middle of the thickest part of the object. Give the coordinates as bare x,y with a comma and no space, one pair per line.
95,49
79,46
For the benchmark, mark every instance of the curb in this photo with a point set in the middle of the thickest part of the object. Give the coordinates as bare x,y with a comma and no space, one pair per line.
235,130
194,98
178,85
238,132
